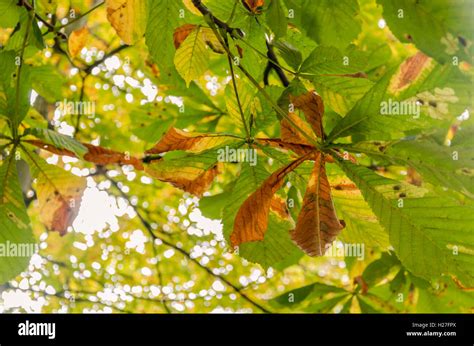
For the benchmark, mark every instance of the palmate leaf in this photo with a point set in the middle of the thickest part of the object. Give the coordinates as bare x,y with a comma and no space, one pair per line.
15,230
432,234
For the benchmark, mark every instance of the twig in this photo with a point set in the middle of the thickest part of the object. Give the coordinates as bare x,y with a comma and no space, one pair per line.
273,64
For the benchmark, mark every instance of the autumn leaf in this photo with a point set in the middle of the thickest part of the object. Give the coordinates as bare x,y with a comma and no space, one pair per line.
77,40
300,149
317,225
176,139
291,134
181,33
410,71
251,221
255,6
193,179
312,107
95,154
59,193
129,18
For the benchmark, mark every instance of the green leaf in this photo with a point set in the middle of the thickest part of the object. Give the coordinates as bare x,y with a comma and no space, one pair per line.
276,18
15,230
58,140
366,118
15,109
246,93
377,270
48,82
213,206
289,53
334,23
362,226
192,57
9,13
163,18
432,234
301,294
449,166
341,93
327,60
441,29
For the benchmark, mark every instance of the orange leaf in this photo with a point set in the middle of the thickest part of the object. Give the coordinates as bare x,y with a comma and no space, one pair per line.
251,221
317,224
176,139
77,40
181,33
255,6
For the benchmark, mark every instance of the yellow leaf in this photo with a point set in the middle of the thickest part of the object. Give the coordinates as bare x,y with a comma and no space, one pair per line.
192,58
129,18
77,40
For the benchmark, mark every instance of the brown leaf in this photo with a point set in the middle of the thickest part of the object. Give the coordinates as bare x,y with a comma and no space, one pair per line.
251,221
176,139
181,33
278,205
312,107
95,154
103,156
317,225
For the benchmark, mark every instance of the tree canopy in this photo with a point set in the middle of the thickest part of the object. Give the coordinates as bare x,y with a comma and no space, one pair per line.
236,155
